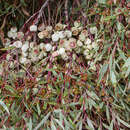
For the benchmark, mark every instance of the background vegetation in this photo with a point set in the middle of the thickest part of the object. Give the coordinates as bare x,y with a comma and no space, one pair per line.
83,99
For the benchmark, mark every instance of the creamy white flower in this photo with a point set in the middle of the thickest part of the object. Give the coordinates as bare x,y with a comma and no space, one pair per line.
41,46
82,37
17,44
20,35
10,34
11,64
8,57
87,41
66,45
72,43
61,51
33,28
94,45
58,27
64,26
79,43
24,54
86,52
55,53
13,29
32,44
89,47
74,56
99,40
35,90
48,47
88,57
25,47
40,35
43,34
93,30
41,27
84,32
23,60
49,28
41,55
55,37
35,51
64,56
14,35
80,28
34,58
45,54
61,34
77,23
7,41
68,33
78,50
75,31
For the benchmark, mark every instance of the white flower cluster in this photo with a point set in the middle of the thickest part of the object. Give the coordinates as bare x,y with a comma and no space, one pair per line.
54,42
12,33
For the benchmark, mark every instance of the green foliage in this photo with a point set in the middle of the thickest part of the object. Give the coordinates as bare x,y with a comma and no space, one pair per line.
75,96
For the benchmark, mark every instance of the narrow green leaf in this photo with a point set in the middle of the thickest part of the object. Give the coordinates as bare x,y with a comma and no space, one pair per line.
123,122
90,123
107,114
4,106
102,1
113,78
30,124
42,121
38,108
52,125
59,123
102,72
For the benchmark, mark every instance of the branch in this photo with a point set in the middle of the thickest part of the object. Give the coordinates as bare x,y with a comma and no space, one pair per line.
40,11
66,11
38,14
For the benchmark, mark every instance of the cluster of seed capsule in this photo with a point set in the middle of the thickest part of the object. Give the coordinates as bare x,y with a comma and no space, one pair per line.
58,41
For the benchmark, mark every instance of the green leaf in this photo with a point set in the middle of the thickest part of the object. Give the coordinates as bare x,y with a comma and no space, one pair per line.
127,63
7,48
120,27
113,78
90,123
102,1
52,125
107,114
111,125
30,124
11,89
23,2
108,18
4,106
123,122
38,108
102,72
92,95
60,123
42,121
127,72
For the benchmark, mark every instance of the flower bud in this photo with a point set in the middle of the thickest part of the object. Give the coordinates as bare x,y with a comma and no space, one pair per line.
33,28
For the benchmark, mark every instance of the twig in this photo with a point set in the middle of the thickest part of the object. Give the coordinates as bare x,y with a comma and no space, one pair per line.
29,20
66,12
39,13
49,18
83,14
